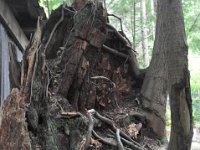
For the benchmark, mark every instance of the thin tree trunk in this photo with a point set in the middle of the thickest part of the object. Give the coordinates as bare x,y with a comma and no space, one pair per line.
154,88
152,15
133,23
48,9
144,33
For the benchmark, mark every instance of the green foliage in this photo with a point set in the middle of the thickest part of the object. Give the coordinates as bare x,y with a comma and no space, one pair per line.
192,24
50,5
194,61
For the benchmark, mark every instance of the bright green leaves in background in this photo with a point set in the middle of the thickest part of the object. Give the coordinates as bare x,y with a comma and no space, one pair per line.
192,24
50,5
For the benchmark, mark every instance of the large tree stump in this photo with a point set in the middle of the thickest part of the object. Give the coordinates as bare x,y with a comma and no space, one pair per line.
67,68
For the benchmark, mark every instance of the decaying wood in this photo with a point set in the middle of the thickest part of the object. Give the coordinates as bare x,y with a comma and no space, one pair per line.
110,123
28,65
69,66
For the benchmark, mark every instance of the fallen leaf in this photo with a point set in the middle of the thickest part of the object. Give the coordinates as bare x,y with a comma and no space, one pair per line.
134,129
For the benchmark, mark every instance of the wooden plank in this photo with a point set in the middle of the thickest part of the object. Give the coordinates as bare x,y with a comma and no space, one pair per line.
10,23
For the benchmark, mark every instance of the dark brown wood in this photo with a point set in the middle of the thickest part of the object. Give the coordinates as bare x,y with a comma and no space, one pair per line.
65,69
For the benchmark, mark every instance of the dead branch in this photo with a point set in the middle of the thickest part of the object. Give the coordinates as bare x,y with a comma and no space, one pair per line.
132,60
28,65
119,142
115,52
54,28
127,44
120,20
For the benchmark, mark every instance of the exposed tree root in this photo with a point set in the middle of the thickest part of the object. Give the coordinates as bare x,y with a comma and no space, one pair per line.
104,140
90,128
119,142
115,52
121,136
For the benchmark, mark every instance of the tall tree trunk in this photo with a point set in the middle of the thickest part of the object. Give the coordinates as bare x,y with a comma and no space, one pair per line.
144,33
178,74
133,23
154,91
169,68
152,16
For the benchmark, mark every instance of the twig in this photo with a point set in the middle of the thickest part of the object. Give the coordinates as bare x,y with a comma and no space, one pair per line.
119,142
119,35
47,44
72,11
54,29
120,20
115,52
132,60
122,38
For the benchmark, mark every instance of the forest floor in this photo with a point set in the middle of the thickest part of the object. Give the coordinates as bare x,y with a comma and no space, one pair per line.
125,117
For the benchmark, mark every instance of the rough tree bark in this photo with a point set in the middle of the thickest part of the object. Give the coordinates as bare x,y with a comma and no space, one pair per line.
74,63
154,88
178,74
169,68
78,61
